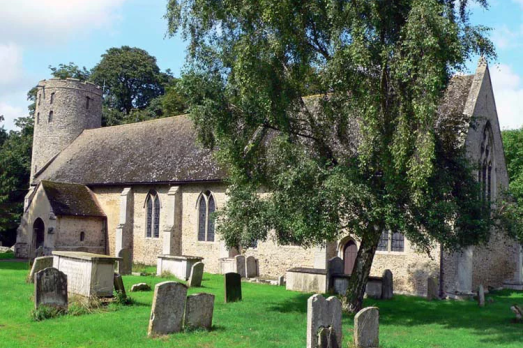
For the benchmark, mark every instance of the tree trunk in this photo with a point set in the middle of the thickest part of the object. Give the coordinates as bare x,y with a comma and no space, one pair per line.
353,300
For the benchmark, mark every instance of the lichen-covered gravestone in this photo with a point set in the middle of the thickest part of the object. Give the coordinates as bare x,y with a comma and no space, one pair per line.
233,287
167,309
198,311
118,285
387,288
140,287
125,265
240,265
195,278
51,289
39,264
366,328
481,296
432,289
250,267
323,322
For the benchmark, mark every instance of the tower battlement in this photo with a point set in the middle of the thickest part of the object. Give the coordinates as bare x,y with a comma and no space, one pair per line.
64,109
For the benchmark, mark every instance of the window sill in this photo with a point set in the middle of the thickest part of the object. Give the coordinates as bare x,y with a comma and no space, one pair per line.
399,253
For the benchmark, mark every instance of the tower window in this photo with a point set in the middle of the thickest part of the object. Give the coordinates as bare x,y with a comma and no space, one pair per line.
39,98
52,98
87,100
206,207
82,236
50,118
38,118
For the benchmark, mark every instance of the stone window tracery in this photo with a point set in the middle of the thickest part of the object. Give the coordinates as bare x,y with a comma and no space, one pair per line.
206,207
486,165
152,215
391,242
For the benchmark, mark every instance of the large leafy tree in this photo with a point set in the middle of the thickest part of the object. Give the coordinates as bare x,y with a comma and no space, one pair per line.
362,155
130,78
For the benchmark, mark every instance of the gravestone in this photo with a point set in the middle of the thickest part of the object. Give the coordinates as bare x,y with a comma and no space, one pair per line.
336,265
51,288
167,309
240,265
233,287
125,265
366,328
517,311
39,251
250,267
39,264
198,311
281,280
374,288
387,287
481,296
140,287
323,321
432,289
195,278
118,285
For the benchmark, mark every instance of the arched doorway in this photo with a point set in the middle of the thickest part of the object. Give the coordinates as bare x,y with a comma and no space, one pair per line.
350,251
39,233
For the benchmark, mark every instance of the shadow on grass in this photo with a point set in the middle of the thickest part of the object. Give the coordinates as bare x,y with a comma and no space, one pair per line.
296,304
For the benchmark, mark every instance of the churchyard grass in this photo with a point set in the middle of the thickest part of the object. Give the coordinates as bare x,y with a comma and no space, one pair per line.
268,316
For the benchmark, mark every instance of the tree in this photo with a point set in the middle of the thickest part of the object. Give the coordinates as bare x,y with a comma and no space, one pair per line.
70,70
362,156
130,78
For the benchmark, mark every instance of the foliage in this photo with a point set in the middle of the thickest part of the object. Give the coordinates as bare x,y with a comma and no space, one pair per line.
268,316
363,155
46,312
70,70
130,78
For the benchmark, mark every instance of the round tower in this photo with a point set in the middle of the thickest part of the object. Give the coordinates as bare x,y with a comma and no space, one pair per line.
64,108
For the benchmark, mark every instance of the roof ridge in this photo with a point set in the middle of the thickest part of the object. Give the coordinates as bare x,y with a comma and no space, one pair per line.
135,124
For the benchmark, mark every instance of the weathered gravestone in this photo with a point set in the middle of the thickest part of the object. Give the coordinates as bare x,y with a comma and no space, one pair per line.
366,328
51,289
481,296
198,311
39,264
432,289
233,287
336,265
374,288
118,285
125,265
250,267
387,287
517,311
240,265
281,280
195,278
323,322
167,309
140,287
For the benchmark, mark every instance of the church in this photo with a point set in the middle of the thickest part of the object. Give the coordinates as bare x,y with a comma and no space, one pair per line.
151,188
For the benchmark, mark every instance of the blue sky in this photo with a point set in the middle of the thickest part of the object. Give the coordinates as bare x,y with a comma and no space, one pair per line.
37,33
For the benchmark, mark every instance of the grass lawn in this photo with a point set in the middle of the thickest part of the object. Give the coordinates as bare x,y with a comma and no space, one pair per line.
268,316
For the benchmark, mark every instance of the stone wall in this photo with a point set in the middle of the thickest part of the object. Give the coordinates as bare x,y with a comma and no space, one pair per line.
109,200
70,228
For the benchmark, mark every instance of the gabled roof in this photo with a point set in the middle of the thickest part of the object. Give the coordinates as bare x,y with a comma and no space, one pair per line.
71,199
158,151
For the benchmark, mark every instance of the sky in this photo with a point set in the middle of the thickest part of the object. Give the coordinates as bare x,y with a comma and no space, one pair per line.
37,33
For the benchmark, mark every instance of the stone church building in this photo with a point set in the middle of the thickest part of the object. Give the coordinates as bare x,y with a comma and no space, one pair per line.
149,187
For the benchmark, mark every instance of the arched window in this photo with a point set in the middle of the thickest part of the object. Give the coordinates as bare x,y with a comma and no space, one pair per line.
50,118
82,236
206,206
38,118
153,215
52,98
486,165
38,233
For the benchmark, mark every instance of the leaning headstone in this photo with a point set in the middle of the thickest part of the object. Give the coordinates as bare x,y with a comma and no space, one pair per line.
323,322
481,296
125,265
387,287
233,287
167,309
198,311
39,264
140,287
366,328
195,278
118,285
336,265
250,267
51,289
432,289
240,265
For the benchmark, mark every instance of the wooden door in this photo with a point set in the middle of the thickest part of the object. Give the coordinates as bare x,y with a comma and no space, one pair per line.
350,252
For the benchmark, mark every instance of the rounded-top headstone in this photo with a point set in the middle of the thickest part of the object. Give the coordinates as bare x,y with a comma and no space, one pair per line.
387,290
366,328
167,309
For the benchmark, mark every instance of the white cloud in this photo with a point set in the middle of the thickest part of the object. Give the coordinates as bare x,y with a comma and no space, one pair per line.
508,90
503,37
10,113
10,64
30,22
